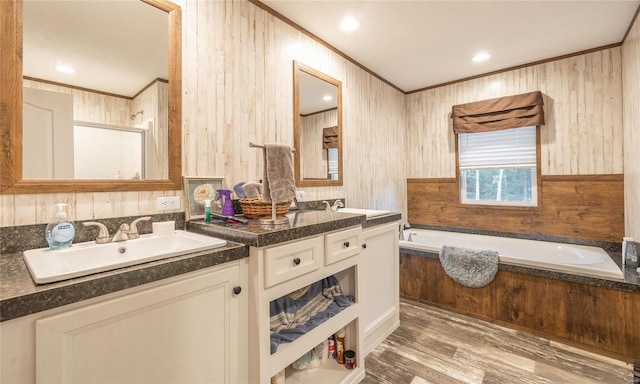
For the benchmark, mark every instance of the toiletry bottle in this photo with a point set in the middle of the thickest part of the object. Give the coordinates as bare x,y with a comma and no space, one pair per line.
227,205
207,211
340,346
332,347
60,231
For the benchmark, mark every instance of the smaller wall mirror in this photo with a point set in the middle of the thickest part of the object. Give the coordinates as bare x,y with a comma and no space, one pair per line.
317,128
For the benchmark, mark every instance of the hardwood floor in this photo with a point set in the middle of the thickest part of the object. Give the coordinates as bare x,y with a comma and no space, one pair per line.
436,346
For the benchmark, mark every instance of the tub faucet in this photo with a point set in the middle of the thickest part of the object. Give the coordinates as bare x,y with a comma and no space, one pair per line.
337,204
403,225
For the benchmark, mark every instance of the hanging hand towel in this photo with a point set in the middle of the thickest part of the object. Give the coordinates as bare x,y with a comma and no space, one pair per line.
278,184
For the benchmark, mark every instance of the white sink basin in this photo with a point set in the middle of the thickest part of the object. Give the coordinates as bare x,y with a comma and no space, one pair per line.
368,212
83,259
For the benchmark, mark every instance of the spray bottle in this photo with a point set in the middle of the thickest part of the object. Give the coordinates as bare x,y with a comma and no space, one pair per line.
227,205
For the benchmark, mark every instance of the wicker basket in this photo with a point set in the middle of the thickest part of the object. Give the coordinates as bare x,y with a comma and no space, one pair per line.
255,208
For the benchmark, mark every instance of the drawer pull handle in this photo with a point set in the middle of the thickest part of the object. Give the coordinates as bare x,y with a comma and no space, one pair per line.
364,246
346,244
296,261
237,289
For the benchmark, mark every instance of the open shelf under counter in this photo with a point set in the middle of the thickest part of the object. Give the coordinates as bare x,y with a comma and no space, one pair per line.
278,270
287,353
328,372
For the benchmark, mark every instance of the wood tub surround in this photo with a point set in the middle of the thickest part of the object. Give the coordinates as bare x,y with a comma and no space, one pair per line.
600,319
573,206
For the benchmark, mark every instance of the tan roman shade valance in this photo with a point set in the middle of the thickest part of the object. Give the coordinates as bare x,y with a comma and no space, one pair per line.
501,113
330,137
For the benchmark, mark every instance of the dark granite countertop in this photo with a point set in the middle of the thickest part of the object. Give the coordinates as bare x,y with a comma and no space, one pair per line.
301,224
20,296
631,282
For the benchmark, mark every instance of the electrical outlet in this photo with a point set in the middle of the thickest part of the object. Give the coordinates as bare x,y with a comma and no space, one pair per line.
168,203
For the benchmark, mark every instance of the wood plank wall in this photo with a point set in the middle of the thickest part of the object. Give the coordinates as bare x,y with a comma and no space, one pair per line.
91,106
238,87
582,136
631,119
578,206
583,110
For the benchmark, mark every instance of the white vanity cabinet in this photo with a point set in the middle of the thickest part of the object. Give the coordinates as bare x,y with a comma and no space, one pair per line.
381,281
185,329
280,269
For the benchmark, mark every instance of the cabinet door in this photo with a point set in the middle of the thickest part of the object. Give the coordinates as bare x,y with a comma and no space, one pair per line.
380,276
186,331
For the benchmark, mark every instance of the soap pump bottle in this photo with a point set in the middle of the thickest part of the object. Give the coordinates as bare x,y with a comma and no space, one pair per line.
60,231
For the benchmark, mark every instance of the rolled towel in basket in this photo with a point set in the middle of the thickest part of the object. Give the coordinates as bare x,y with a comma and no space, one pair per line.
252,190
278,184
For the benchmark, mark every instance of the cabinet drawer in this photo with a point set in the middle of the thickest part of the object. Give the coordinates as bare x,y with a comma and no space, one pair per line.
285,262
343,244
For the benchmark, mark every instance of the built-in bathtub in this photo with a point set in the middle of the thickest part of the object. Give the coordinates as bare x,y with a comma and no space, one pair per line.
568,258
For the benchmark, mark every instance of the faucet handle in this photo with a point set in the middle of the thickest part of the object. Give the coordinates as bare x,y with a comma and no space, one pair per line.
133,229
337,204
103,234
327,206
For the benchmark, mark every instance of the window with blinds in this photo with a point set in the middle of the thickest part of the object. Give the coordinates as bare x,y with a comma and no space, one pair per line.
332,153
498,167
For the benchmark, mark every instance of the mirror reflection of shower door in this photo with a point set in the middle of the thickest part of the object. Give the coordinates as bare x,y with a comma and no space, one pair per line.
108,152
47,135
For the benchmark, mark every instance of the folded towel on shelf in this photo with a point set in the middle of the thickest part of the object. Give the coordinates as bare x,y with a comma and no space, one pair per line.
278,184
295,314
252,190
472,268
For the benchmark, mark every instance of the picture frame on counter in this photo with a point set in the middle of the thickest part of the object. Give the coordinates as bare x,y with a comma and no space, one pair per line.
196,190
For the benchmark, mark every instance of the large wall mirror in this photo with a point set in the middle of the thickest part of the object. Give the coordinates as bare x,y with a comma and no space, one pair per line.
91,96
317,108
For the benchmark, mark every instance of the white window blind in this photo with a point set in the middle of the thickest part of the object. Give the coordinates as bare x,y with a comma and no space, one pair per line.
507,148
333,163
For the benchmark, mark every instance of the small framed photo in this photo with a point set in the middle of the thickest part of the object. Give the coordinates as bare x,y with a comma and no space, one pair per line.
196,191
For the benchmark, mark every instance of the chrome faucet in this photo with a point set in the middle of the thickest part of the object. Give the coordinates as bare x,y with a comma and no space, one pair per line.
327,206
122,234
133,228
125,231
337,204
103,234
404,225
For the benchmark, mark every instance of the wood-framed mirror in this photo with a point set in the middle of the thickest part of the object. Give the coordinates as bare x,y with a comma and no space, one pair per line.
317,127
12,138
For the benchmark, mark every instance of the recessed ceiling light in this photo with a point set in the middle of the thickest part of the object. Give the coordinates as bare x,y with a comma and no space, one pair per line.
327,98
482,56
349,24
65,68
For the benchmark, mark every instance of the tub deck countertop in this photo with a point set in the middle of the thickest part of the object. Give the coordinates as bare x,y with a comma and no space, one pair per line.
631,281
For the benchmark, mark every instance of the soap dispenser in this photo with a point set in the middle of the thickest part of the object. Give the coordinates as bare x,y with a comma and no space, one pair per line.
60,231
